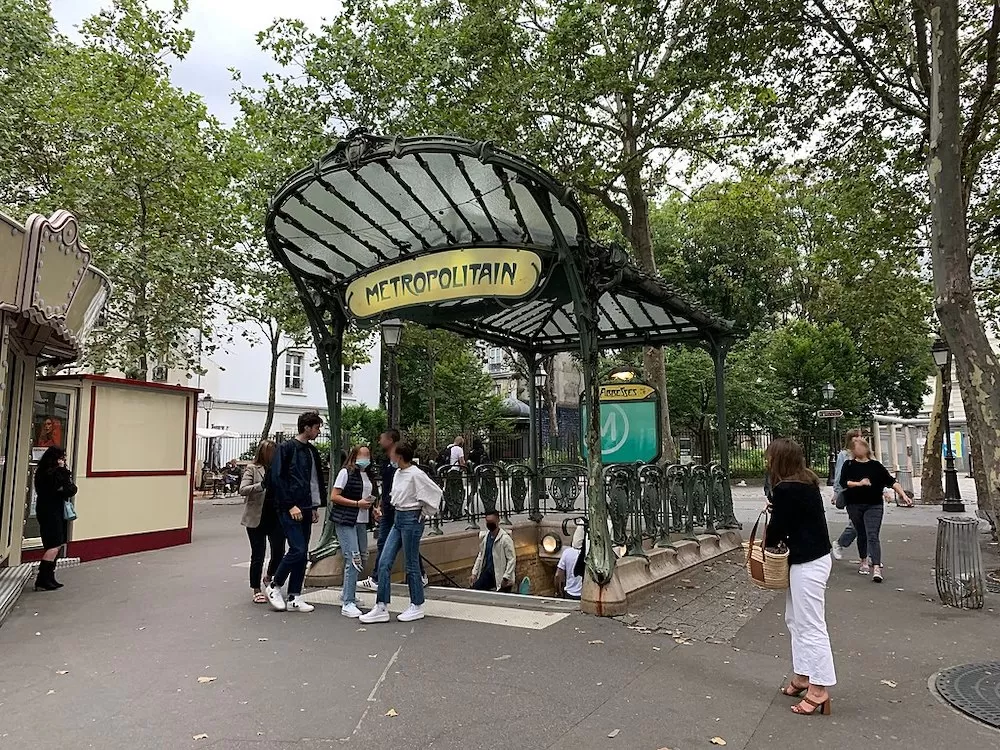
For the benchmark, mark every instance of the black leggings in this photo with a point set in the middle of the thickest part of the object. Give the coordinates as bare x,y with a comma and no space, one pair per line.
266,531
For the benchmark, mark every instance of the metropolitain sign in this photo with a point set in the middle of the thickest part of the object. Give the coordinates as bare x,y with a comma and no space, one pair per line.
471,273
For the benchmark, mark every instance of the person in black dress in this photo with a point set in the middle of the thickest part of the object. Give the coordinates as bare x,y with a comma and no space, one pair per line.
864,480
53,487
798,521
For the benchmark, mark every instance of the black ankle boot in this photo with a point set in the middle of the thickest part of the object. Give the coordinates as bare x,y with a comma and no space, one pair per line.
46,576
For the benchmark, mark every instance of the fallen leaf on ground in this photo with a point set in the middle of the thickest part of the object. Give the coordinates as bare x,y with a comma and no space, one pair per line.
51,692
372,656
205,680
262,640
63,671
392,712
718,741
613,734
890,683
501,658
362,630
200,737
656,648
595,643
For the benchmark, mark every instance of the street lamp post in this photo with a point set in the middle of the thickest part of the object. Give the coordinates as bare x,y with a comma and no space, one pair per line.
208,403
540,378
828,393
952,502
392,332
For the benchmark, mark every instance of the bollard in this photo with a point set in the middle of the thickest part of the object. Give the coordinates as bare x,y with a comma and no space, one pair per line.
958,565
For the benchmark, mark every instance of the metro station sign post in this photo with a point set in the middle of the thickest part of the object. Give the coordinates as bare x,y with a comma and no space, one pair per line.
630,423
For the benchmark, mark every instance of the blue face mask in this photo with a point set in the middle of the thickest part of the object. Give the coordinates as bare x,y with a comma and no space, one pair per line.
363,462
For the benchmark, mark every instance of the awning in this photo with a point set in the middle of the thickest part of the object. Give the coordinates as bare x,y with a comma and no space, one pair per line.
464,236
210,432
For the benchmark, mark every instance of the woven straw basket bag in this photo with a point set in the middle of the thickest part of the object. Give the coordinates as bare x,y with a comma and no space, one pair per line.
768,568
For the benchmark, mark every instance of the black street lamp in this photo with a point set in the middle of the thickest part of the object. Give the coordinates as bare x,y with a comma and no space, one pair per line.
828,393
952,502
392,333
208,403
540,378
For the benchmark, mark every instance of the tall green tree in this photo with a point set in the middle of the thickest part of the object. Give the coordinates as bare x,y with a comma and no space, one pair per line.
921,79
97,128
602,92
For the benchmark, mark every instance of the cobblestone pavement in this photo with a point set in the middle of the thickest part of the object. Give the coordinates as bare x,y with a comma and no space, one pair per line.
708,603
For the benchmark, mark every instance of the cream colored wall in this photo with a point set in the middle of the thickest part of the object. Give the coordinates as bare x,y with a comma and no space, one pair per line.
139,429
119,506
135,429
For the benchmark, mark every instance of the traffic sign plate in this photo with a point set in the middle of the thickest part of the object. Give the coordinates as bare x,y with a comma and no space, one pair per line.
830,413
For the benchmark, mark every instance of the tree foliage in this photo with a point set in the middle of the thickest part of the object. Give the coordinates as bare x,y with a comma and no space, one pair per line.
97,128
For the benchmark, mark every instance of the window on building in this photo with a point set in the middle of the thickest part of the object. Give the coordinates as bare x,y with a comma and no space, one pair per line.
160,374
496,359
348,381
293,371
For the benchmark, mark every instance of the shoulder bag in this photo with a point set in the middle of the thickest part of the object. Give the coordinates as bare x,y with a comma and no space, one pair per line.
768,567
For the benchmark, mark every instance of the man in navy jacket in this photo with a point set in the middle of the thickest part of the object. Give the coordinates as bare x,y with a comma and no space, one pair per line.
297,481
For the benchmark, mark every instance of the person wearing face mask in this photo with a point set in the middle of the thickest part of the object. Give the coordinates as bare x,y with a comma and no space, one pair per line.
352,499
494,568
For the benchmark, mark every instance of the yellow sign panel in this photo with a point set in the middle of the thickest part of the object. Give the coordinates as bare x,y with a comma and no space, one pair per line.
447,275
626,392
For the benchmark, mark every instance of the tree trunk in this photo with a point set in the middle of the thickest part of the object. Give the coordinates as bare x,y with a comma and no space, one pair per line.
977,366
931,492
272,392
641,239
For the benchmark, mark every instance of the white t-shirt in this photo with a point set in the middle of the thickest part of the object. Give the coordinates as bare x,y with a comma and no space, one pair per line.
574,584
366,491
457,453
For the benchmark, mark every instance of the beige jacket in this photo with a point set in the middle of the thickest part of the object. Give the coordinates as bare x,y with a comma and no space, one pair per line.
504,557
252,489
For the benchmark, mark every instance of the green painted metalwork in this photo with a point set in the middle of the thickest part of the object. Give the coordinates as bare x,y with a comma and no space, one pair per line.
564,485
652,493
520,480
620,492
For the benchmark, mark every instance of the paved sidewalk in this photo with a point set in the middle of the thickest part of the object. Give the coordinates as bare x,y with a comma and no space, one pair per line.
118,653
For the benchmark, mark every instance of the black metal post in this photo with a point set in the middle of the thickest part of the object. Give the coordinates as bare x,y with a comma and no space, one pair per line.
952,502
832,459
393,389
534,431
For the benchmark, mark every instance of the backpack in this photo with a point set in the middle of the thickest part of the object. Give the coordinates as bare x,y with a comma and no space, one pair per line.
444,457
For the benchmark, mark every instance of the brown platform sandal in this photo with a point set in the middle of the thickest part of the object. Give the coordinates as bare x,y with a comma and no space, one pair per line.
824,708
792,690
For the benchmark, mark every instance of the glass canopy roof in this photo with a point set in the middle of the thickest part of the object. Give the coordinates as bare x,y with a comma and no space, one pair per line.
395,205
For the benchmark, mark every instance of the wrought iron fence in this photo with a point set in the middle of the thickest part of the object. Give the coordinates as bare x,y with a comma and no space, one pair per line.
648,505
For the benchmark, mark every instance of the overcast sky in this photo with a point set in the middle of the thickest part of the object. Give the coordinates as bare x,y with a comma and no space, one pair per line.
225,37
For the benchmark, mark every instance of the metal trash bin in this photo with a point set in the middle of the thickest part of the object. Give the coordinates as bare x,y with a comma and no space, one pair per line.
958,568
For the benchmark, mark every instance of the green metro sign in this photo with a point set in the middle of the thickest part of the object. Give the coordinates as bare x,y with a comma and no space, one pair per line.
630,424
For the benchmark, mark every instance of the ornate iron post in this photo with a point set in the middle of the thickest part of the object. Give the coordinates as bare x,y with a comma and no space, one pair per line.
534,430
952,502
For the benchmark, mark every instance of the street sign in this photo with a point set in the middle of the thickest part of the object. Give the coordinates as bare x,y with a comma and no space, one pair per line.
630,424
830,413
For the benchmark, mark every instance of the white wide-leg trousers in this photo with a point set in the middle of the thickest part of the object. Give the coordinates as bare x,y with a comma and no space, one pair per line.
805,617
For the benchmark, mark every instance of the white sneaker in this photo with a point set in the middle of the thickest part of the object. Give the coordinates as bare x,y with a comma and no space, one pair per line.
276,598
413,612
298,604
368,584
378,613
350,610
424,580
837,551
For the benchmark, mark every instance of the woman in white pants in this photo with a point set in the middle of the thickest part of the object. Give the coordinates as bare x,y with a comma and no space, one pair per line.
798,520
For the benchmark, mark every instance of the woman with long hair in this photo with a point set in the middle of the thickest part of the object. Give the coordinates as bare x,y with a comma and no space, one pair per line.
53,487
849,534
353,496
798,521
260,516
864,480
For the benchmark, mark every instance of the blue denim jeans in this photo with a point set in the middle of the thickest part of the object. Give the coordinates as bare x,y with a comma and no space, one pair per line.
353,543
406,533
848,536
384,527
867,519
293,564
